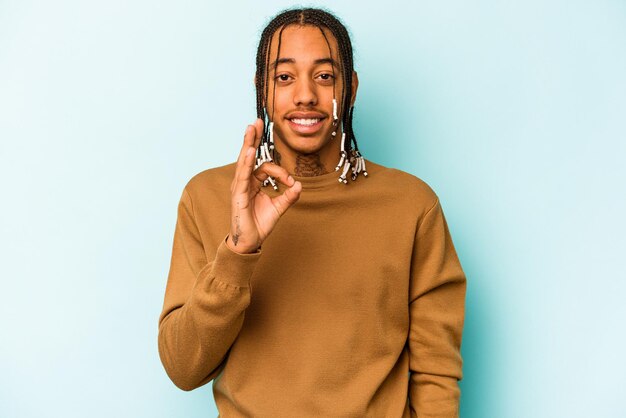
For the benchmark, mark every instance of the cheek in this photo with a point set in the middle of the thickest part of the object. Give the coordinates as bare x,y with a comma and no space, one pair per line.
279,100
282,100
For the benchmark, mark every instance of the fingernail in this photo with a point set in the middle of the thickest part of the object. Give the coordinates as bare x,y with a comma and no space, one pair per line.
290,179
249,152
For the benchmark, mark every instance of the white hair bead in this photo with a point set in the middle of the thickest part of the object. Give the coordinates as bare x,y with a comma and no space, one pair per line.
343,154
271,180
356,169
341,160
271,129
346,167
264,156
266,153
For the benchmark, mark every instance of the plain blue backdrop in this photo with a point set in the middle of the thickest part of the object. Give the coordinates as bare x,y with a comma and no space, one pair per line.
513,111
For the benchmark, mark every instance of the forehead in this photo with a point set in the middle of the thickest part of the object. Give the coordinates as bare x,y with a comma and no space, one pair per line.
304,44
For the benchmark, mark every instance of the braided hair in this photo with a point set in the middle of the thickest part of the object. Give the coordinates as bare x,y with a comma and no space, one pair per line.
323,20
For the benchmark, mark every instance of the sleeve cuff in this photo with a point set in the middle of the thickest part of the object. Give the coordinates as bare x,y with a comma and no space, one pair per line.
234,268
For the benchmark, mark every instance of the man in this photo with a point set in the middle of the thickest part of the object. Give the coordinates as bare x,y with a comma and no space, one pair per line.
305,291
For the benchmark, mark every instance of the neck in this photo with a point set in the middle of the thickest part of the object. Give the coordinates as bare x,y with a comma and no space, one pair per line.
309,165
302,165
306,165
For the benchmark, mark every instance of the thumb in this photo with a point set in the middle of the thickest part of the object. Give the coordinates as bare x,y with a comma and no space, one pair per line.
288,198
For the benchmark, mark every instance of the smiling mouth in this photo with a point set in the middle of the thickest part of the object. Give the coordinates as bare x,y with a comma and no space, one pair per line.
305,122
305,125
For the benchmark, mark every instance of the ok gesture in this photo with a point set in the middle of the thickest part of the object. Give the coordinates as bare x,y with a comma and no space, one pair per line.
253,213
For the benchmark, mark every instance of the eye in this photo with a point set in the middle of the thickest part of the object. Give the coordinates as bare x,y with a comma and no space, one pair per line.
282,77
326,79
326,76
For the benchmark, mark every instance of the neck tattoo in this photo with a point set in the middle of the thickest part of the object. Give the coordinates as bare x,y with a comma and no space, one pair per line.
309,165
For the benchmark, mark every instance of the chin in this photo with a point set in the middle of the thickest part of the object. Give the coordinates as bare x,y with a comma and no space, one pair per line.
301,148
305,144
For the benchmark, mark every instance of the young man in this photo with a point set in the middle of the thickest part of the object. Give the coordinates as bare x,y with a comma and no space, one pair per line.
336,293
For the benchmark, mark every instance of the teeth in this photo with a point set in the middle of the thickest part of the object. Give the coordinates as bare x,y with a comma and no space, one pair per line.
306,122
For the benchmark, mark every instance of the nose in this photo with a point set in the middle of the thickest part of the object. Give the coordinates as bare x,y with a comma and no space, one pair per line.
304,93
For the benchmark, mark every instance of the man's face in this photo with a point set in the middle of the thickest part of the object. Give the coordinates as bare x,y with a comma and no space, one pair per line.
300,90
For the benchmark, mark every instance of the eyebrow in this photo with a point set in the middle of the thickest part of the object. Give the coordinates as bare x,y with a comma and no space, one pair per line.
318,61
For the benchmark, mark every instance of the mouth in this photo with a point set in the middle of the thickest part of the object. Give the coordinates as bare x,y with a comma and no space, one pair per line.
306,126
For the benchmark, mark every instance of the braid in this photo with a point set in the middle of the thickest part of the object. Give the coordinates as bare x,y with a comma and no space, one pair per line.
323,20
280,37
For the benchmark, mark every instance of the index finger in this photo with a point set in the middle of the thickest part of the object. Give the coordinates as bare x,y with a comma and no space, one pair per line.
253,141
258,126
248,141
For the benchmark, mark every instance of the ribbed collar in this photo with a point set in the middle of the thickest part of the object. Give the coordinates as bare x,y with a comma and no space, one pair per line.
323,181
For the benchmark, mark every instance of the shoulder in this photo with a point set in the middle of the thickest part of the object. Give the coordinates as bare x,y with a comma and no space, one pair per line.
409,188
211,181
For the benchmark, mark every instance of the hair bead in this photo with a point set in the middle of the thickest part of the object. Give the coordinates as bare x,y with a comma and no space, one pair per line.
342,178
271,129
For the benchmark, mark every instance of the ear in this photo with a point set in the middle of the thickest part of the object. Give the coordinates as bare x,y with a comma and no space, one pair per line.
355,86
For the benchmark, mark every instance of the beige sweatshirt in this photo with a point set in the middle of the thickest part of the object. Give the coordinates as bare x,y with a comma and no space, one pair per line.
353,306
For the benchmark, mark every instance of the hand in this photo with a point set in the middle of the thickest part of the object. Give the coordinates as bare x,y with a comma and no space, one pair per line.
253,213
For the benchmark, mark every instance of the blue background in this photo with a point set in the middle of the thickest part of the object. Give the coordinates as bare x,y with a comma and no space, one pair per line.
513,111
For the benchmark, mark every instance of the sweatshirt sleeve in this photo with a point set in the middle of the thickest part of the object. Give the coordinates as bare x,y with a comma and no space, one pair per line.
437,312
205,302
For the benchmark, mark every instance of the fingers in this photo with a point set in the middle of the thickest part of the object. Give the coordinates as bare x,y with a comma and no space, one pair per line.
241,183
246,161
247,174
288,198
242,155
276,171
258,125
248,141
252,138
